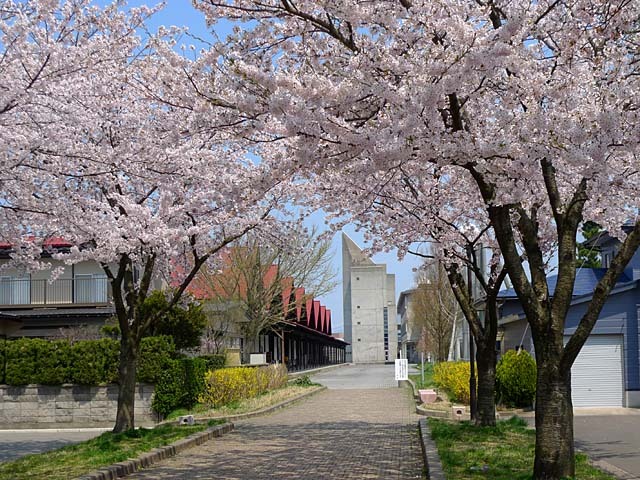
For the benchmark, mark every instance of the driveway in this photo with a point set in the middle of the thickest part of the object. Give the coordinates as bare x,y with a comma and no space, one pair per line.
614,439
18,443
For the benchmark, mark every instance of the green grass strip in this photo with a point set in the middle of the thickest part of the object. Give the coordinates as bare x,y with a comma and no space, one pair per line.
84,457
428,377
503,452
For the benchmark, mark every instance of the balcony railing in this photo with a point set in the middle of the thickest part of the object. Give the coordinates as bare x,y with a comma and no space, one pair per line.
64,291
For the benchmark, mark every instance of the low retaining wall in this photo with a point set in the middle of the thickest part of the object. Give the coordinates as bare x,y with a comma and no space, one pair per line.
81,405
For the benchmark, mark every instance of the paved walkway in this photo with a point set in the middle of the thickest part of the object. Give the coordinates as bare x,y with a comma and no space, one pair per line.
362,427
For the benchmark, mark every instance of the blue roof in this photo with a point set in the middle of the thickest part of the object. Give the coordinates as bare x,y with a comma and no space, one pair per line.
586,281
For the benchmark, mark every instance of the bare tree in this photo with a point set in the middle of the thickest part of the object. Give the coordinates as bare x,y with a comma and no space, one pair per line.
432,311
221,320
77,333
260,278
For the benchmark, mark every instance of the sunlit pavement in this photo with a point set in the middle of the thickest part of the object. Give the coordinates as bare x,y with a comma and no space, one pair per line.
362,427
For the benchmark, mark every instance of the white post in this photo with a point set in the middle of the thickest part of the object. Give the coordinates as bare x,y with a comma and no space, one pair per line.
422,356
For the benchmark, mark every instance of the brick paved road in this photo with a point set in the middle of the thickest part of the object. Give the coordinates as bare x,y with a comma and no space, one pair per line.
341,433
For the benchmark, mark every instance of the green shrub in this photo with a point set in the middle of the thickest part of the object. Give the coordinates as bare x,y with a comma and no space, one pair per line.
86,362
228,385
169,392
3,346
195,370
453,378
516,378
94,362
21,361
155,352
214,361
303,381
53,361
180,385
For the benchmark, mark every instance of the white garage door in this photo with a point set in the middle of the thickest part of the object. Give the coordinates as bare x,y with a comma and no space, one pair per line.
596,376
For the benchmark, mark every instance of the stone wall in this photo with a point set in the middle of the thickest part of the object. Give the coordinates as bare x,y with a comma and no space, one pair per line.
68,405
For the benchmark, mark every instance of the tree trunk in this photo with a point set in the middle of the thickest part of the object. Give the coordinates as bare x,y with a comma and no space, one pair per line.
250,346
127,380
486,400
554,421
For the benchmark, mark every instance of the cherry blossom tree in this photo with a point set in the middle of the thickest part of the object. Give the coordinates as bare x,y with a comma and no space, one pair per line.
114,142
535,102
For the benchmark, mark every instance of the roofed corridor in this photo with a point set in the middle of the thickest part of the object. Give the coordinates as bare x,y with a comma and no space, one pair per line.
362,427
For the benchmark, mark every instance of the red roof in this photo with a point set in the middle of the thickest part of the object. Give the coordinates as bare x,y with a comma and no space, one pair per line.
55,242
210,286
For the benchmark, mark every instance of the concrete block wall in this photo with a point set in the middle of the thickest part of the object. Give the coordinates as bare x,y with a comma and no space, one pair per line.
68,405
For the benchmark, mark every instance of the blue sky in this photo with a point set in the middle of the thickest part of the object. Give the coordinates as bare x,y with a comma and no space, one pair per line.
183,14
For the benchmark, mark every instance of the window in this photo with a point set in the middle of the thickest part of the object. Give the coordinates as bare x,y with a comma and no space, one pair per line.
15,290
385,319
90,288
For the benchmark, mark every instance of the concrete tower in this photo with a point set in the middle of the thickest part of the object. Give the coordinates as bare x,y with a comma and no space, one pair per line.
369,304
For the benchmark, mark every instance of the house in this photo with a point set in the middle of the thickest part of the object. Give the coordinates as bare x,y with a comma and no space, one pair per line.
369,305
409,335
607,370
33,305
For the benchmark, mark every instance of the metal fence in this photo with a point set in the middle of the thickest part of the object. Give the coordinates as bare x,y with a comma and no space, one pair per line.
24,291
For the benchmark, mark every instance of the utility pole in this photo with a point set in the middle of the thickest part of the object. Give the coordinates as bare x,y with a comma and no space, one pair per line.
473,401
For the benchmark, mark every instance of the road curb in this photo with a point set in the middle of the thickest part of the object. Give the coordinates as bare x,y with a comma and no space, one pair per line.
56,430
432,465
432,413
316,371
145,460
425,411
617,472
607,467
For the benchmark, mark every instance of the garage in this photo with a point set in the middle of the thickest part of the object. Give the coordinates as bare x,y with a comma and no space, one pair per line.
597,374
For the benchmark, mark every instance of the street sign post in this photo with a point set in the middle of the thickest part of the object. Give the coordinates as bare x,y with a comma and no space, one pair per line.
402,369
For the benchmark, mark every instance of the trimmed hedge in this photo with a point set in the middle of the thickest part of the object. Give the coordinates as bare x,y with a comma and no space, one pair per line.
86,362
3,346
180,385
169,389
228,385
180,382
195,370
155,352
21,361
53,362
94,362
516,378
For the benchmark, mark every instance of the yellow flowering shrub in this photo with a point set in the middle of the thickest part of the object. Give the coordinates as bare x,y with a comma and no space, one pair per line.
226,385
453,378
